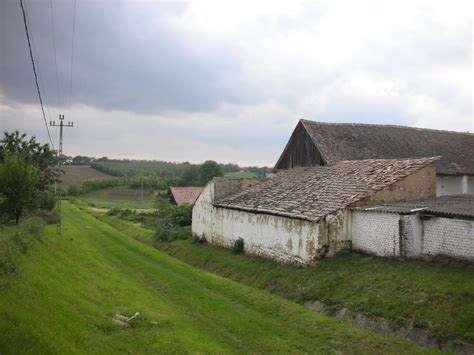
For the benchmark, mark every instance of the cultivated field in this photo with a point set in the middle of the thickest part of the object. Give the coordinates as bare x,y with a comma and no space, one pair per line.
68,290
75,174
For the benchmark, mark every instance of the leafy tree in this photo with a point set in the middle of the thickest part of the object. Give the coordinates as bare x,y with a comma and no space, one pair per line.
19,185
208,170
47,200
81,160
190,176
182,215
41,155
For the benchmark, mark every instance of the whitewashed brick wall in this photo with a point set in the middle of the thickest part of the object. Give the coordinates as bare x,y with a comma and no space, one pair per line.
449,236
281,238
378,233
375,233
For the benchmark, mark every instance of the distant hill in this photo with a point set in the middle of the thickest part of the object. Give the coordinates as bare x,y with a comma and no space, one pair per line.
76,174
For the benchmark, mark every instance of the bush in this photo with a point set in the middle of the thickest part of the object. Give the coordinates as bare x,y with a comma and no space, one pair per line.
161,233
47,200
238,247
179,232
17,240
94,185
50,217
72,190
182,215
114,211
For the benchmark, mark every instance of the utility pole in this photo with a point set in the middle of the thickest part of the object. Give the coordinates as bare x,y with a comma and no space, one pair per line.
61,125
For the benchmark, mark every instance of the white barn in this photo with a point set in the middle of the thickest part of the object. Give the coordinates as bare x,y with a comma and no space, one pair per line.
303,214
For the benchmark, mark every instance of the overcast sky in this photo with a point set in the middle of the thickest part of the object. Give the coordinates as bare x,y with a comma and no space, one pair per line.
229,81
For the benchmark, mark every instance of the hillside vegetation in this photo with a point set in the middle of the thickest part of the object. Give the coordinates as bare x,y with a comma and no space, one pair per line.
162,168
438,298
68,289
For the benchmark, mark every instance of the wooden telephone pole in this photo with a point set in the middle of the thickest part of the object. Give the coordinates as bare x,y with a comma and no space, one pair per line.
61,125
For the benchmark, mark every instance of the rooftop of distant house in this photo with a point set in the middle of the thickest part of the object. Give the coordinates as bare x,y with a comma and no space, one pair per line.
185,194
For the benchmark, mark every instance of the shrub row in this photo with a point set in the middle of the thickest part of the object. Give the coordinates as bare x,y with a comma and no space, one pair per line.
15,241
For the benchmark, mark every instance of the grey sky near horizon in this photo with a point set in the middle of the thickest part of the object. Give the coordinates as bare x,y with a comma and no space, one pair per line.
229,81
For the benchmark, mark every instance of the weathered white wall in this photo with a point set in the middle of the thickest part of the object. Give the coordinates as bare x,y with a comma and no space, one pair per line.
281,238
449,236
375,233
454,185
294,240
470,185
378,233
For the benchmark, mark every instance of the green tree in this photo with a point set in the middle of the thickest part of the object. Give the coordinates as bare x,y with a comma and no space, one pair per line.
41,155
190,176
208,170
19,185
182,215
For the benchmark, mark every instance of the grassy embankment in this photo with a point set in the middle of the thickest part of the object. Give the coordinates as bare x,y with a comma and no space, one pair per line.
432,296
67,290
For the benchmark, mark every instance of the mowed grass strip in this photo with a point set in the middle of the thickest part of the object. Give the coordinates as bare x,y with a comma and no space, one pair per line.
68,289
437,297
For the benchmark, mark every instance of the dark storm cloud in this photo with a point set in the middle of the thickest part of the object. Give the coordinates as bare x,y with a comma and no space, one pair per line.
124,58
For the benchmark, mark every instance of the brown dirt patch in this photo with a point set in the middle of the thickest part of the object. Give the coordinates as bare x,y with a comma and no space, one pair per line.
75,174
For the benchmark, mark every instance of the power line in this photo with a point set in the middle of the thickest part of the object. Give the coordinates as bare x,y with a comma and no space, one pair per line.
34,71
72,55
37,61
61,125
54,47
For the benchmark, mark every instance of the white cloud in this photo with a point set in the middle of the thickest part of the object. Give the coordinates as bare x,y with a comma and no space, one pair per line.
397,62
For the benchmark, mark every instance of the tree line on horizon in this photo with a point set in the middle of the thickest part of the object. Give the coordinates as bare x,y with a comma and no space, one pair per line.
187,173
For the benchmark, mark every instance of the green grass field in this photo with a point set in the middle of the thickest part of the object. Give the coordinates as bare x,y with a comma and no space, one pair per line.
67,290
432,296
242,175
120,197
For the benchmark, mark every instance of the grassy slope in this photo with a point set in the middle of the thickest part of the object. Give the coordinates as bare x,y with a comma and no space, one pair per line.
121,197
437,297
68,289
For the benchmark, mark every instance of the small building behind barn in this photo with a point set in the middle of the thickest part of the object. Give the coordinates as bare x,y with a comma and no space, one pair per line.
184,194
320,143
302,214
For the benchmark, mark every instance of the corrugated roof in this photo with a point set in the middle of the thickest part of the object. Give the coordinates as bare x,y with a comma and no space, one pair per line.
452,206
185,194
312,192
348,141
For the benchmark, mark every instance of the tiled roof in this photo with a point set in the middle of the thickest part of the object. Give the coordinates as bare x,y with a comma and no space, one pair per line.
187,194
345,141
452,206
312,192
